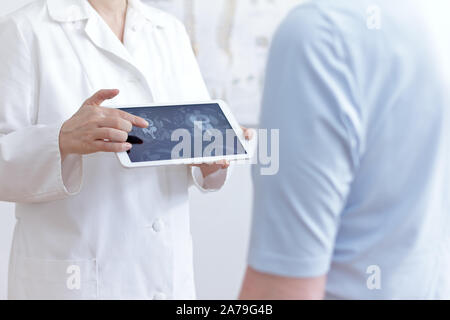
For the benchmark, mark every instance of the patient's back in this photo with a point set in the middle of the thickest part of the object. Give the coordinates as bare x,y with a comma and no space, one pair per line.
361,92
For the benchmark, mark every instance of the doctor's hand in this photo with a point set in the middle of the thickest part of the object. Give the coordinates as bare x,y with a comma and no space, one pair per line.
210,168
98,129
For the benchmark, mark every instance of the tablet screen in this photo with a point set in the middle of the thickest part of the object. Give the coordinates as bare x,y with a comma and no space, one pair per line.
182,131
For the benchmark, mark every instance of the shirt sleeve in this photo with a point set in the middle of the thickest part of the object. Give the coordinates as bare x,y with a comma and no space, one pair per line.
31,169
309,96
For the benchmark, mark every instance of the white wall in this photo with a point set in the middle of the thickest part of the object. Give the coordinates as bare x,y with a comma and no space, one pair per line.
220,226
219,223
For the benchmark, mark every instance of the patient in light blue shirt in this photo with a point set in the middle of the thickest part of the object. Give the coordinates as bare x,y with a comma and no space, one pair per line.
360,91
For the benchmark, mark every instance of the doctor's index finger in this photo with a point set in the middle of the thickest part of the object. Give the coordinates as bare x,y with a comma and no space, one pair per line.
135,120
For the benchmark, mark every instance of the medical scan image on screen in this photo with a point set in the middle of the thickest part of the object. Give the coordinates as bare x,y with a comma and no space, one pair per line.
202,122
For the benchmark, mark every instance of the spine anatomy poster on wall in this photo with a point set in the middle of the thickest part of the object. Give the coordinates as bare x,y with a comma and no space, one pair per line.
231,39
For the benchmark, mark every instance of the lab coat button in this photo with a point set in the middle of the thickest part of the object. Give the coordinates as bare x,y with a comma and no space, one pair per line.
159,296
158,225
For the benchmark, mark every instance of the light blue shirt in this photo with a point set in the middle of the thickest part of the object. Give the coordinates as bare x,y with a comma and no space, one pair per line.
360,91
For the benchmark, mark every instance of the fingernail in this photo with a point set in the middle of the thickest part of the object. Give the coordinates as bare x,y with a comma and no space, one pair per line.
128,146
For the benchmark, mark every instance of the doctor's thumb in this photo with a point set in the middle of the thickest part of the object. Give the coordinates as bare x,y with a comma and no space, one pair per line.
100,96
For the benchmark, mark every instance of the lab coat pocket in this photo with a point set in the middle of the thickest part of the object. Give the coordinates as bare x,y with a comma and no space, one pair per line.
55,279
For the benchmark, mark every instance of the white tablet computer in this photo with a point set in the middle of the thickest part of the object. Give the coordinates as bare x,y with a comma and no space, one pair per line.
184,133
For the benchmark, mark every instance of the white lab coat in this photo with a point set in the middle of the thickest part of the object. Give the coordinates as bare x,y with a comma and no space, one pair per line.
89,228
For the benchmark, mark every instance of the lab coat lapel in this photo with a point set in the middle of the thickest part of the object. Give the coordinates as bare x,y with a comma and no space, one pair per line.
103,38
99,33
76,15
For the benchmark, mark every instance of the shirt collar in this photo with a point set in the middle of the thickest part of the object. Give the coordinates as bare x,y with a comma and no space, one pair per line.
76,10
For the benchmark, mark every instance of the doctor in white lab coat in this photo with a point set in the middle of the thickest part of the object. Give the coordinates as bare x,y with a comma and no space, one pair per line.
88,228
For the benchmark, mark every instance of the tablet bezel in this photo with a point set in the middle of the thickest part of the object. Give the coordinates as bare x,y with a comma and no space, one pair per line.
127,163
